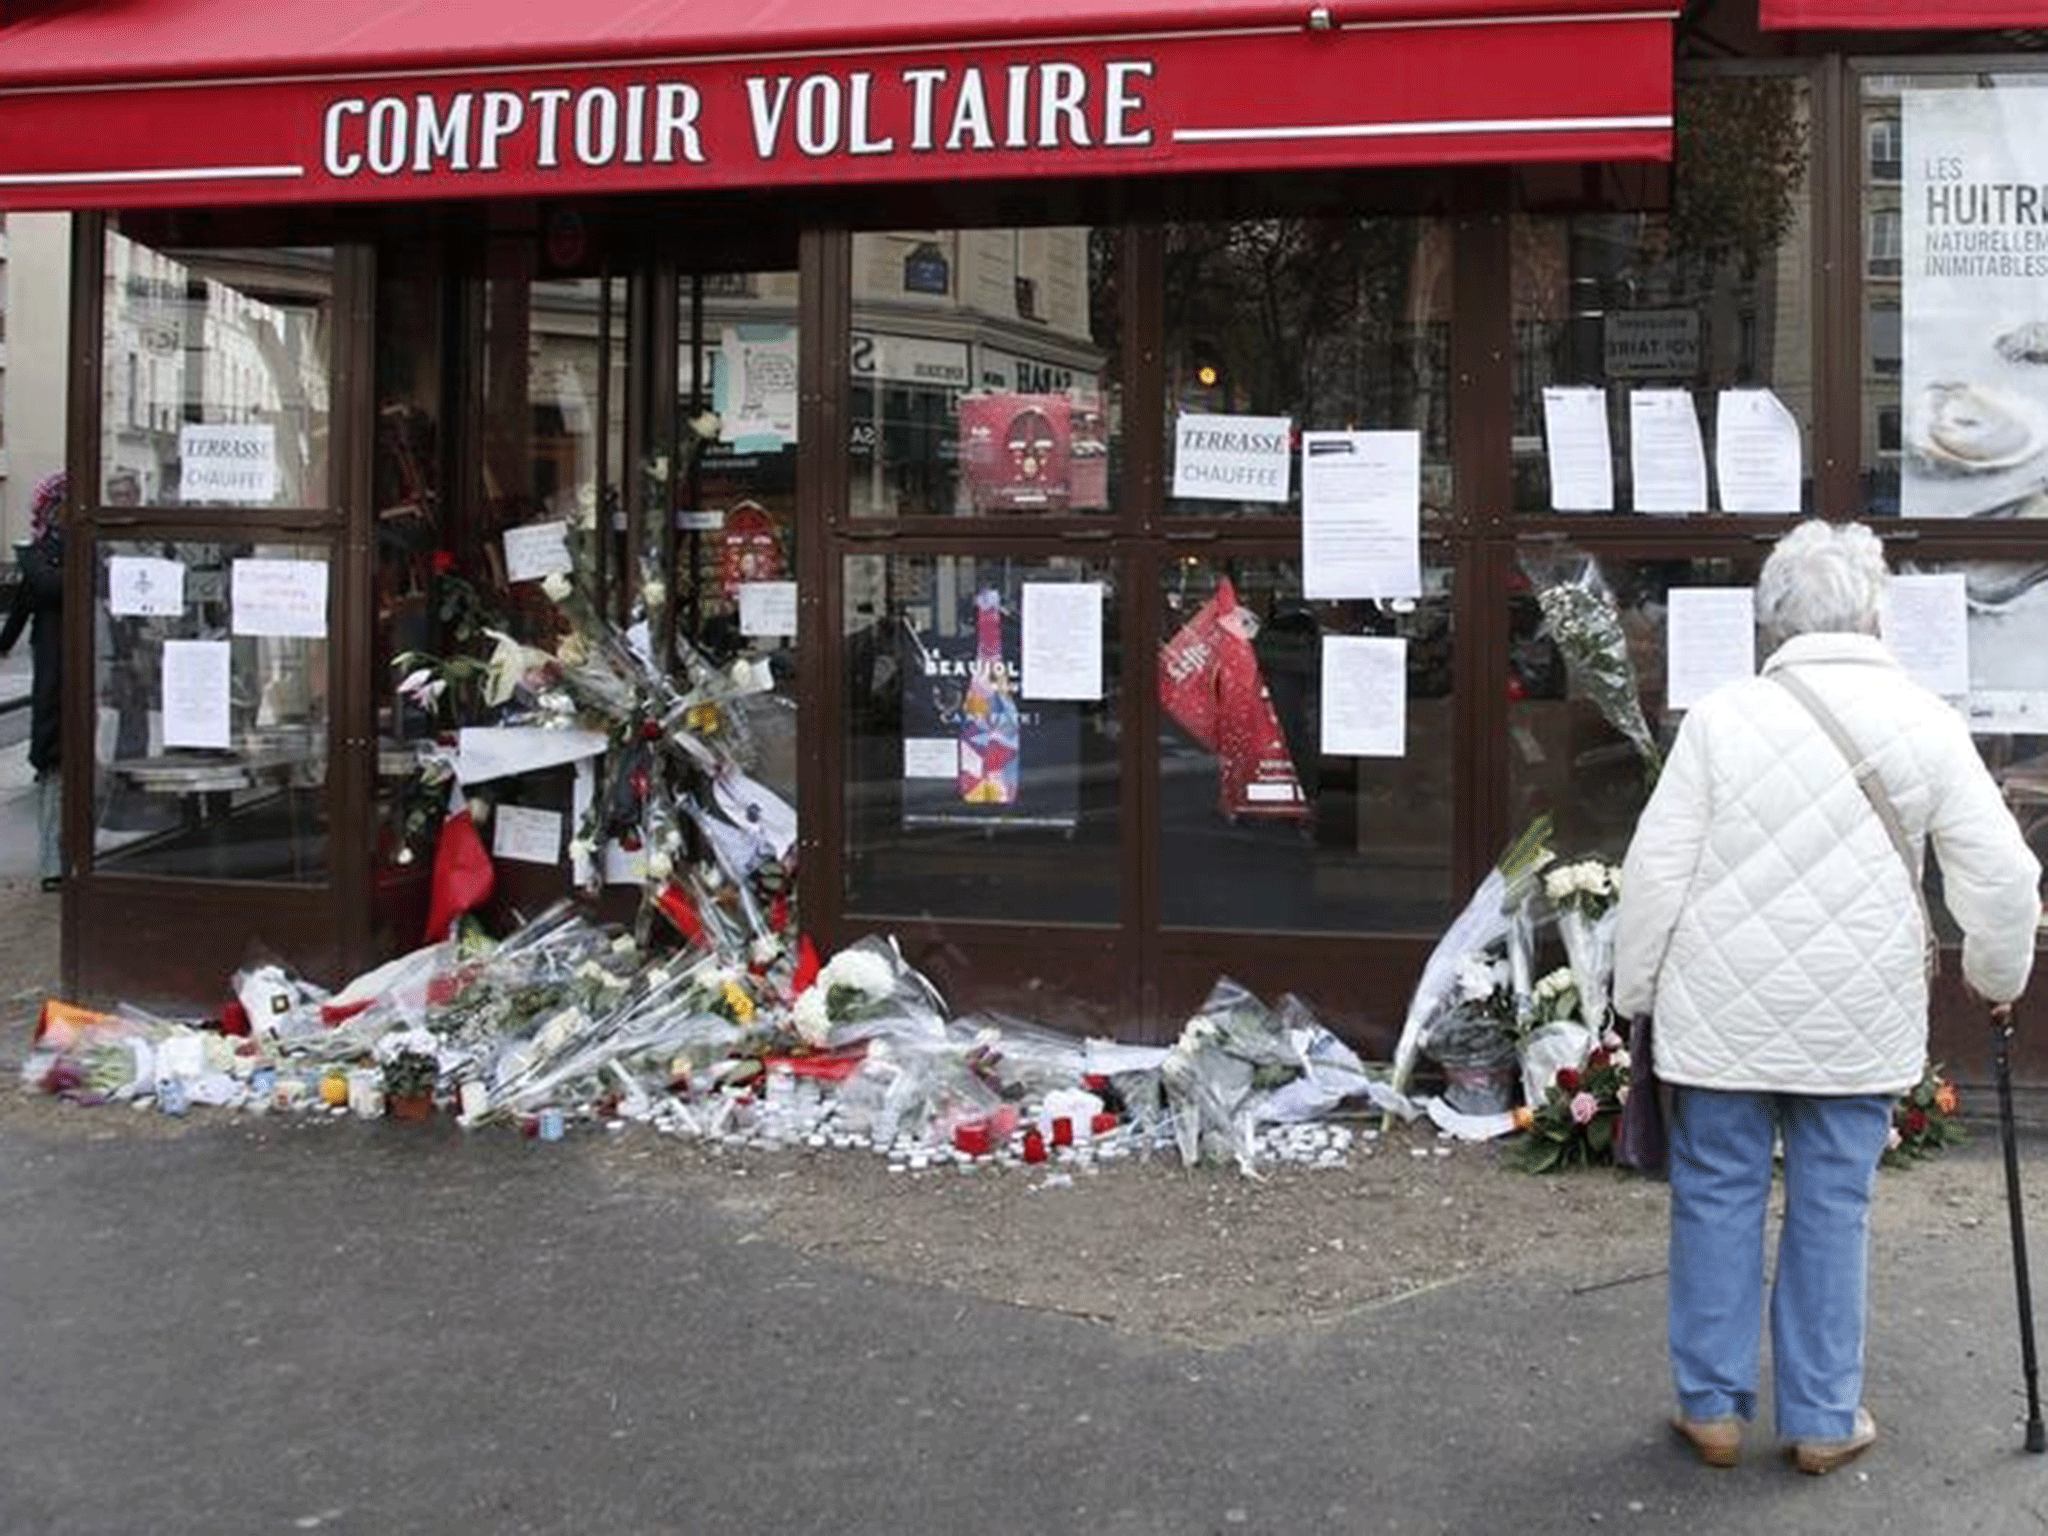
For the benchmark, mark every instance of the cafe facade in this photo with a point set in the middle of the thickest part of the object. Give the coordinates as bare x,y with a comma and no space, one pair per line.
995,313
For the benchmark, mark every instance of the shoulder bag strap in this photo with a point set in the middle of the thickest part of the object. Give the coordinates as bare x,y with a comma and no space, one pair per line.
1868,780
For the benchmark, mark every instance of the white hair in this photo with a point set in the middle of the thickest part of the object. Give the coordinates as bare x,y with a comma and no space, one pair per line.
1821,577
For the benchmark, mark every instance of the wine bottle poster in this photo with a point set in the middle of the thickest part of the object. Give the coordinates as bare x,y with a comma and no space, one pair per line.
1010,761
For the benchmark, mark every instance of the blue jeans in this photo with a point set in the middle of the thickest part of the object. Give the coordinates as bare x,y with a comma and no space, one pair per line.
1721,1146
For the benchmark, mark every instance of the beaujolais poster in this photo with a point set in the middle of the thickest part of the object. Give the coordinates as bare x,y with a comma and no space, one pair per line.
975,751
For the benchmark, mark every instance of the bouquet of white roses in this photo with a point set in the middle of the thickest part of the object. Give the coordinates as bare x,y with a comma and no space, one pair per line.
1585,895
864,991
1557,1037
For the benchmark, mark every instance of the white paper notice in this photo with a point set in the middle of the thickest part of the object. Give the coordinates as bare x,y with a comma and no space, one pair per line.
931,757
536,550
1710,639
1667,460
232,465
1365,696
531,836
1927,625
1062,642
195,692
1361,514
1231,458
1756,452
767,608
280,597
1581,451
623,866
143,586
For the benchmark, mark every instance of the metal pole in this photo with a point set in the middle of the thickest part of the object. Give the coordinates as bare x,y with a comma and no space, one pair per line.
2001,1039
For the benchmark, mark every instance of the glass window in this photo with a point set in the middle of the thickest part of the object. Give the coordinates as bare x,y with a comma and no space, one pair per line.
1955,376
210,673
985,373
1267,824
1886,152
1568,757
1315,324
216,376
1714,294
981,763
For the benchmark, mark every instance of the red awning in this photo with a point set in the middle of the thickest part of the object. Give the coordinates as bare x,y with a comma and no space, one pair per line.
210,101
1901,15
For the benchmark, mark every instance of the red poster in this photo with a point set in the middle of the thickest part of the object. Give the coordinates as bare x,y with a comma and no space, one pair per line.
1015,452
753,549
1210,683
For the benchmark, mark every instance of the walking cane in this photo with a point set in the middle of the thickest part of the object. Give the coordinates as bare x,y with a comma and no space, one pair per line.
2001,1040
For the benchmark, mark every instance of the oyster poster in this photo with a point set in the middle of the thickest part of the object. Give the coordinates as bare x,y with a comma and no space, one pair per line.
1974,304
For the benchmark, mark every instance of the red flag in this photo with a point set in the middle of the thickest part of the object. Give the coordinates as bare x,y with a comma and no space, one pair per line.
676,906
463,874
807,966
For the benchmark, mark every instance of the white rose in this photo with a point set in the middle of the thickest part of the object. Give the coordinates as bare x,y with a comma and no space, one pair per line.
659,866
655,593
555,585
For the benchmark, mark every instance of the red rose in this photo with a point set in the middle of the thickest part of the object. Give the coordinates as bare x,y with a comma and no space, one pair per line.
1916,1122
1568,1079
444,562
650,730
1598,1059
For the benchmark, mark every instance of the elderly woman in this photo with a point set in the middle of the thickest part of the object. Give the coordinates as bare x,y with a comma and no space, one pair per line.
1769,922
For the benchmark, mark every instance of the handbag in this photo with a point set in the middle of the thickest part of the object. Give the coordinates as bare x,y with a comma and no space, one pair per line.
1641,1140
1867,780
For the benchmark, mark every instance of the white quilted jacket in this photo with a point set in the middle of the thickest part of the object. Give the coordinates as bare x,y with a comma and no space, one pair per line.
1766,919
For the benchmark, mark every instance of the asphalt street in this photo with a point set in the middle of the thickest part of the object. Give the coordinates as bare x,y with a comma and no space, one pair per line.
242,1324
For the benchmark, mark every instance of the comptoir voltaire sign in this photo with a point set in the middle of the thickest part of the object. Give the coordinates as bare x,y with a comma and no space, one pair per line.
1049,105
1578,79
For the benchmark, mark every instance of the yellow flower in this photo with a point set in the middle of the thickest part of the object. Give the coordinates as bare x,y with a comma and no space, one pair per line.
736,999
1524,1117
1945,1098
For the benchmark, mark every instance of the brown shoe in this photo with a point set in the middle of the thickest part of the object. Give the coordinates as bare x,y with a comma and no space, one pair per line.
1718,1441
1819,1457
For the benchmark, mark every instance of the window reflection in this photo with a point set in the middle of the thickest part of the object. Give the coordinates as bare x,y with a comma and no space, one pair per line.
1565,759
216,376
1322,324
211,680
1714,294
1264,825
984,372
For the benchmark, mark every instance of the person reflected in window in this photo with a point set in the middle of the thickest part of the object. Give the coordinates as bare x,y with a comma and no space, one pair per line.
39,608
1772,926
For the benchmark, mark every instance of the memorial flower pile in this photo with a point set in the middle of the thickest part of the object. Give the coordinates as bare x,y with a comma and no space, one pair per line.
1574,1123
1925,1120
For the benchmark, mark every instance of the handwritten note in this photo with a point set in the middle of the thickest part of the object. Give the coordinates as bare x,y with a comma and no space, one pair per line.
1062,640
1710,640
1927,625
536,550
1365,696
767,608
280,597
527,835
195,693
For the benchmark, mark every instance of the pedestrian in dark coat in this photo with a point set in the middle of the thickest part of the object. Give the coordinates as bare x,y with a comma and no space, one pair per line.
39,608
